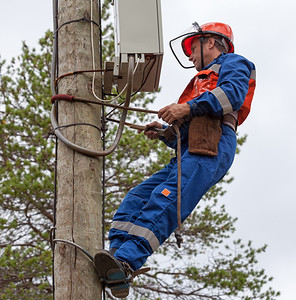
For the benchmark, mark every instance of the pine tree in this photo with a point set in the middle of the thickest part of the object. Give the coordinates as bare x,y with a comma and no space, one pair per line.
210,265
26,175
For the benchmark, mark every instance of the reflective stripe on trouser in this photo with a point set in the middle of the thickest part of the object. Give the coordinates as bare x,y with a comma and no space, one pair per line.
147,217
139,231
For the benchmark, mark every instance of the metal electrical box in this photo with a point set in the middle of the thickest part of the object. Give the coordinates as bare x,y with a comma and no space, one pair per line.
138,32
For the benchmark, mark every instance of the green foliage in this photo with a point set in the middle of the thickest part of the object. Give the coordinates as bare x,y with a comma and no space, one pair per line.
24,273
26,174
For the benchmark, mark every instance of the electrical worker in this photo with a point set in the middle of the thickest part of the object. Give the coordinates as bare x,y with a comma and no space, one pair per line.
215,101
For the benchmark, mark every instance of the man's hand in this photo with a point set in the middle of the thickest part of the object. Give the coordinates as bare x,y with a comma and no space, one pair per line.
173,112
152,134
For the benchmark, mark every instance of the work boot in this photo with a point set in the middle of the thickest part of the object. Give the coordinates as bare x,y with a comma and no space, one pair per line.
116,274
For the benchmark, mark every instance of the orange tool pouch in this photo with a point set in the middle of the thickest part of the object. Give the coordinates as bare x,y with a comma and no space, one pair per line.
204,135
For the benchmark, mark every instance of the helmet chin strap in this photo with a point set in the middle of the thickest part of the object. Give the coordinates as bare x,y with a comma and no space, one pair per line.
201,53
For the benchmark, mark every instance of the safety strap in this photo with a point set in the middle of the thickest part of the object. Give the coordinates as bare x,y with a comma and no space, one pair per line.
129,278
230,120
141,271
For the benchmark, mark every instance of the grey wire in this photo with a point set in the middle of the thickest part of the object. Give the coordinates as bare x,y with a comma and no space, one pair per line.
120,127
76,246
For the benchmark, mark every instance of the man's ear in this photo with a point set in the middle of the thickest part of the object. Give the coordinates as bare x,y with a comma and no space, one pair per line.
211,42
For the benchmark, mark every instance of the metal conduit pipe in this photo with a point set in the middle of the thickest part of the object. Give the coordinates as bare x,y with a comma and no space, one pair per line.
131,64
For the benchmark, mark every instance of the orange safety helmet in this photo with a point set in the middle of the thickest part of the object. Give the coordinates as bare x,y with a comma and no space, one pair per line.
182,44
213,28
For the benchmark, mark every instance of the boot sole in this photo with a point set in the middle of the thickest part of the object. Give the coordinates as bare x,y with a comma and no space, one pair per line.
111,272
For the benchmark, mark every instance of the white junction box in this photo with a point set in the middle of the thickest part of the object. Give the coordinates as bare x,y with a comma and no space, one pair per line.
138,32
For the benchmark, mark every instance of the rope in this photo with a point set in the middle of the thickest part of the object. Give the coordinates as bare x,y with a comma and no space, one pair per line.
178,230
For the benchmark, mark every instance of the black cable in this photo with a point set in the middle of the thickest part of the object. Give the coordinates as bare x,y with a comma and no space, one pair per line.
103,188
103,175
104,145
142,83
54,70
77,20
145,80
77,124
112,110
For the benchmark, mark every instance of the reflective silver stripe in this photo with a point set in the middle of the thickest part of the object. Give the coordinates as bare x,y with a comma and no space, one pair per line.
253,75
215,68
223,100
124,226
138,231
146,234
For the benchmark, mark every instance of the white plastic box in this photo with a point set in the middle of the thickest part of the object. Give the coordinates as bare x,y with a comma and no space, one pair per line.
138,31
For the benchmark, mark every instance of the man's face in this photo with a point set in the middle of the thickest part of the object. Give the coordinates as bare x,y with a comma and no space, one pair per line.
195,56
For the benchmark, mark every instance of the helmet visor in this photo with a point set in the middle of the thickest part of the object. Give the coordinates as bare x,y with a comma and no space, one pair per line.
181,45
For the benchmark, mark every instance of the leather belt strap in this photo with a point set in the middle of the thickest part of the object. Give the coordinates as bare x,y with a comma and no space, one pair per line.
230,120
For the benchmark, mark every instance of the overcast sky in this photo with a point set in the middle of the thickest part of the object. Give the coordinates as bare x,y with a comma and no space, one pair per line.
263,195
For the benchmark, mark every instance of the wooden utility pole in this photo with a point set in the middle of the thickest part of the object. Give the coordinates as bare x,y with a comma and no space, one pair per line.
78,211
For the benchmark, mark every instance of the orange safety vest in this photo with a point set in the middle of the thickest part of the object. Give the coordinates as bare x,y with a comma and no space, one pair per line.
206,80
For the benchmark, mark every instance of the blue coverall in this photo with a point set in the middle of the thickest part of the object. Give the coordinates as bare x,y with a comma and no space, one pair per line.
148,214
